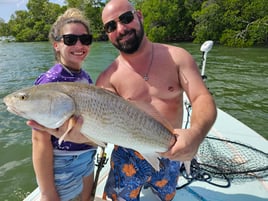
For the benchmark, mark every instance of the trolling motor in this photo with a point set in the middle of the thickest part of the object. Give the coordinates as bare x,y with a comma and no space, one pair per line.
205,48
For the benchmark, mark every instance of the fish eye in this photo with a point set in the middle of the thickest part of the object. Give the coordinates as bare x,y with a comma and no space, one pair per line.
23,96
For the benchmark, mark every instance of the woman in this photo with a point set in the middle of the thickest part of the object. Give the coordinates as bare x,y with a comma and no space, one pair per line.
65,172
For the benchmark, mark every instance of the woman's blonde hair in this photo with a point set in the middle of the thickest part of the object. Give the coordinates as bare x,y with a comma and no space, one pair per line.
71,15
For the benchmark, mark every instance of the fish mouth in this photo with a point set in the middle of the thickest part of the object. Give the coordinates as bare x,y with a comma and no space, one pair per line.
13,110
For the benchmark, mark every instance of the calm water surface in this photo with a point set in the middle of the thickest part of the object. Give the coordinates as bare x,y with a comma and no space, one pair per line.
238,79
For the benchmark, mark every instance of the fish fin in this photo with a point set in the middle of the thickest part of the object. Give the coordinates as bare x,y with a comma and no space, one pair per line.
70,126
187,165
92,141
153,159
153,113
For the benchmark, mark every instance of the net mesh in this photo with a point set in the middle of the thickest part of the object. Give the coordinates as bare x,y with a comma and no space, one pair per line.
236,161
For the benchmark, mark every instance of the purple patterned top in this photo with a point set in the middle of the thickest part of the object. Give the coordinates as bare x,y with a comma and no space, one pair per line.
59,73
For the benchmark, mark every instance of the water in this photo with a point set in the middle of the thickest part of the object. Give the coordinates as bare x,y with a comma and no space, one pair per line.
238,79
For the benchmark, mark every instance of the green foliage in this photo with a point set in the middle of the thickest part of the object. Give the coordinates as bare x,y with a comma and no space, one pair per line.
167,20
34,24
4,29
92,10
258,31
18,22
26,34
234,39
236,23
208,22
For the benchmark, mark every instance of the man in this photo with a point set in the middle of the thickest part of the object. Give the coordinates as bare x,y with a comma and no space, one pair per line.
154,76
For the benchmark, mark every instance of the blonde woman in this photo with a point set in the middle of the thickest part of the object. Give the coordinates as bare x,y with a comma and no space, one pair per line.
65,172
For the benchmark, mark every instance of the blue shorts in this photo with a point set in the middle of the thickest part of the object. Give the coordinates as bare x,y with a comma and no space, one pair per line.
130,172
69,171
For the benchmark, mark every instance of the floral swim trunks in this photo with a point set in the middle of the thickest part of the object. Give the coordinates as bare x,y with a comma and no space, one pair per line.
130,172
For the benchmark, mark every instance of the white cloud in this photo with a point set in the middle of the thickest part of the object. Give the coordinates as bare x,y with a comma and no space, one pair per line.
17,3
9,1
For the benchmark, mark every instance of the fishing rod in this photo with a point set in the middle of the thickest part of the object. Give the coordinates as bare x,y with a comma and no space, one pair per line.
101,162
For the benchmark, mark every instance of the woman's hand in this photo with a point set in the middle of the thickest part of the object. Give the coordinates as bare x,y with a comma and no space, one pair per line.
70,129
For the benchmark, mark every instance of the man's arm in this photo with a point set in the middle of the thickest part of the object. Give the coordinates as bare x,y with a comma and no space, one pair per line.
188,140
203,110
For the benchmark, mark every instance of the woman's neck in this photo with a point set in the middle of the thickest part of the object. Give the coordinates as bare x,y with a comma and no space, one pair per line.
70,69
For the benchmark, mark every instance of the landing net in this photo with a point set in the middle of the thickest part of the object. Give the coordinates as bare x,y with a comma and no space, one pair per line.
237,161
223,159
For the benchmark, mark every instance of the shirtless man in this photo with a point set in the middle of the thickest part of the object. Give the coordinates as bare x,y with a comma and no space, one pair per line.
155,75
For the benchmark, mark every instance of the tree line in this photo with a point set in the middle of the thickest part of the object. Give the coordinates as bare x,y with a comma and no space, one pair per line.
234,23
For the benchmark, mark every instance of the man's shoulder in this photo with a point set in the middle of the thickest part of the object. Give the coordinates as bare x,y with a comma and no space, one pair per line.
168,48
111,68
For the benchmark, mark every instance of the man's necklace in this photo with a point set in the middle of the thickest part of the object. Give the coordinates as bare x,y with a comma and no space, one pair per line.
146,76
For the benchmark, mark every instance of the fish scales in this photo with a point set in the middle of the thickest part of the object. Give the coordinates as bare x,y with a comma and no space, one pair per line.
107,117
120,119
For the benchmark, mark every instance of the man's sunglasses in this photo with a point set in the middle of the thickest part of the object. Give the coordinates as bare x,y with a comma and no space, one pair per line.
71,39
125,18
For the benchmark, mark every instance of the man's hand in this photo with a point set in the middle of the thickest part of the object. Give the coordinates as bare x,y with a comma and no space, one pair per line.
185,147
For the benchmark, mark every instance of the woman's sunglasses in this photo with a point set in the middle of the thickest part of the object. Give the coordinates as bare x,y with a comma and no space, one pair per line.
125,18
71,39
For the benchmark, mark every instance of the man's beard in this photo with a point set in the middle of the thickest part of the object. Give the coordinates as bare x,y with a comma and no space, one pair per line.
130,46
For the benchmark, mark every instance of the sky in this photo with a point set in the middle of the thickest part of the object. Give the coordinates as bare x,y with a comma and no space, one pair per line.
8,7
